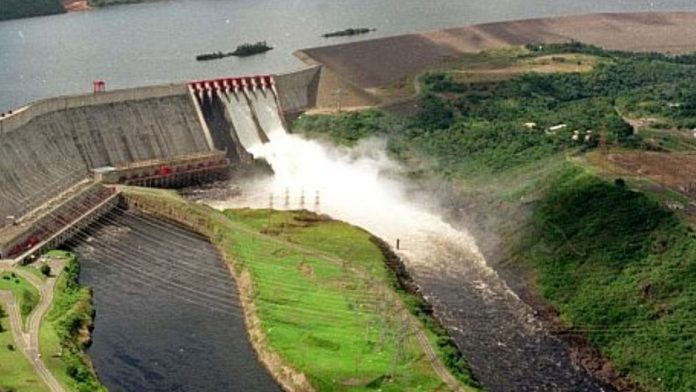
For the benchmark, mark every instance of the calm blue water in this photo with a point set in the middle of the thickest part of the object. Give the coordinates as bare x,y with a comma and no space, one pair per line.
153,43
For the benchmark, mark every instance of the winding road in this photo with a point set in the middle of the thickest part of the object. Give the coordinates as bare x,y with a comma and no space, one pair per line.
28,341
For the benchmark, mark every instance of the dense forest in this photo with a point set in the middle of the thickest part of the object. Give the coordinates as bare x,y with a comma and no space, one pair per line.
12,9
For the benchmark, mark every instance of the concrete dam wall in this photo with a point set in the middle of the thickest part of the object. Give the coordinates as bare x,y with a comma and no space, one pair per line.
50,145
43,154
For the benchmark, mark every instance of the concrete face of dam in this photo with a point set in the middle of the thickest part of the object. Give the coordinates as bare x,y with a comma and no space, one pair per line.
51,145
47,147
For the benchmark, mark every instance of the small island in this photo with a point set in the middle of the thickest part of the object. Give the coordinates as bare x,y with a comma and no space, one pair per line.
348,32
241,51
251,49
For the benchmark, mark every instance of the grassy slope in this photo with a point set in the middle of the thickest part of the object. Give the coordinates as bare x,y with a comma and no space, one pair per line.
619,267
346,337
616,263
12,9
26,294
63,328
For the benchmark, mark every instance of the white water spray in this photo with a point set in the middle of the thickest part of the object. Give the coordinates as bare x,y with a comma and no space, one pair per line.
360,186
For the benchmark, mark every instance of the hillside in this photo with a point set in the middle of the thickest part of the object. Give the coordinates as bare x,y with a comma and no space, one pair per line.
13,9
532,142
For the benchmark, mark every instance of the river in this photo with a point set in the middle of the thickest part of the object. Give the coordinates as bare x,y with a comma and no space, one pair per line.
168,317
153,43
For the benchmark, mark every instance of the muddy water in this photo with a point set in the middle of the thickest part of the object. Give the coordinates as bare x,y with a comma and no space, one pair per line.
497,332
167,314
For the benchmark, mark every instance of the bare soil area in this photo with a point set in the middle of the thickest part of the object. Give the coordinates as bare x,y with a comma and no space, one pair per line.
673,170
382,62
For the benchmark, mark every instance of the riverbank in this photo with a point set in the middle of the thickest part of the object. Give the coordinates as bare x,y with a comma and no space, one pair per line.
300,276
65,332
15,9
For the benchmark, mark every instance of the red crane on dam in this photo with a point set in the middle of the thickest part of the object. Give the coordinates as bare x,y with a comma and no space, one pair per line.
99,86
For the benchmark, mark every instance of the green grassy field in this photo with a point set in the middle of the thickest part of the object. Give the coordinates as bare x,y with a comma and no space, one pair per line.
26,294
321,306
63,330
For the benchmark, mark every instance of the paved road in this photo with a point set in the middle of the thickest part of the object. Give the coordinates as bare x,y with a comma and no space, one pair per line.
28,341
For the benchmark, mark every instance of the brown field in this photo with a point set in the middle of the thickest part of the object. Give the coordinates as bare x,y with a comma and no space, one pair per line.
673,170
388,61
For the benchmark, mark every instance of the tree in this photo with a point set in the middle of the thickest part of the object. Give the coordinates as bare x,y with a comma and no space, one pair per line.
46,270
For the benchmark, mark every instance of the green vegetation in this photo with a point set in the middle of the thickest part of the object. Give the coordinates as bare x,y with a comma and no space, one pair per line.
352,335
348,128
13,9
31,268
621,268
244,50
45,270
64,333
16,373
616,263
26,294
348,32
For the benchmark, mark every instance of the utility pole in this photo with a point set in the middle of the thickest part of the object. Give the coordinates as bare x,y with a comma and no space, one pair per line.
302,200
270,210
316,202
287,199
339,97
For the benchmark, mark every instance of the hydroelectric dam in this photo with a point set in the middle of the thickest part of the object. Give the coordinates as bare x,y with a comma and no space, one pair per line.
62,159
62,164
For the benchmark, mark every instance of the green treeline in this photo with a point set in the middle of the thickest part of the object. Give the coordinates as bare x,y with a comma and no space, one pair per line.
13,9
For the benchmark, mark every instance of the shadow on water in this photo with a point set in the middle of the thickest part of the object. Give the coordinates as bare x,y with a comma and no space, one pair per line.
168,316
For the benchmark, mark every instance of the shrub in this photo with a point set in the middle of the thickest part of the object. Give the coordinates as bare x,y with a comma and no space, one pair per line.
45,270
